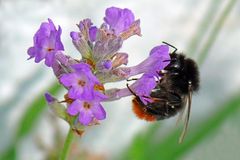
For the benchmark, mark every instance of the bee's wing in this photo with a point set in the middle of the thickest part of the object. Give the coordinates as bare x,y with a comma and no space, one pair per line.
187,110
181,113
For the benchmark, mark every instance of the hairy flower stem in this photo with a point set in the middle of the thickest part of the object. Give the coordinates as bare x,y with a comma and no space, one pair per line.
67,145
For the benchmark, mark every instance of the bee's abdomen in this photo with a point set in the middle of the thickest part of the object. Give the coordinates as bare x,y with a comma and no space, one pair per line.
141,112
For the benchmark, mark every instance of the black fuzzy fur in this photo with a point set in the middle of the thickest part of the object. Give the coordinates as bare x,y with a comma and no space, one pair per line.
173,88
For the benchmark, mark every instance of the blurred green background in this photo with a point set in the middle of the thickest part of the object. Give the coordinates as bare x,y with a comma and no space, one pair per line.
206,30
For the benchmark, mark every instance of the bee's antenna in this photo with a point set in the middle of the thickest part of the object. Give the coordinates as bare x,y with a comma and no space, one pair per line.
175,49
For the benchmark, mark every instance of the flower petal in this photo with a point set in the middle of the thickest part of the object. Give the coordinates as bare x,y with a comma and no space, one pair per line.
160,51
98,96
58,44
107,48
98,111
31,52
74,108
153,64
87,93
47,40
49,59
119,59
118,19
49,98
75,36
85,117
144,85
75,92
40,55
69,79
82,67
93,33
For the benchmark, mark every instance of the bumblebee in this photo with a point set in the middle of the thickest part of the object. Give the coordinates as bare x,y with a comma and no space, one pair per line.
173,92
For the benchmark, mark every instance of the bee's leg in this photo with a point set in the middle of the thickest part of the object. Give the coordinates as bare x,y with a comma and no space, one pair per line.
133,79
131,91
159,76
167,60
155,99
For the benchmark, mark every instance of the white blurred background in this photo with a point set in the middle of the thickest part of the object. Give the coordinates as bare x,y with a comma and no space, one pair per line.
173,21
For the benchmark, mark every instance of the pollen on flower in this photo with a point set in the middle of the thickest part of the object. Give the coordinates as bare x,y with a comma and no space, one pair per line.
99,87
50,49
67,99
86,105
91,63
81,83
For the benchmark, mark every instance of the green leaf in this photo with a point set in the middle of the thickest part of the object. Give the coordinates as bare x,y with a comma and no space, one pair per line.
33,112
10,154
58,109
28,121
140,143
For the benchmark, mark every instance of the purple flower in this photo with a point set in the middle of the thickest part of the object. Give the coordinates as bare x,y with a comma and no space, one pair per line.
104,65
143,87
81,44
84,39
162,54
93,33
63,64
118,19
47,43
49,98
158,59
87,110
119,59
74,35
87,30
80,83
107,47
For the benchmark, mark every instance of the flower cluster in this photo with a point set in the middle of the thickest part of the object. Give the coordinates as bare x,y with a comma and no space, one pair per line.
101,62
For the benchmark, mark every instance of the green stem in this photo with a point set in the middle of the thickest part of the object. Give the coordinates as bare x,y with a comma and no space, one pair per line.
67,145
216,29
